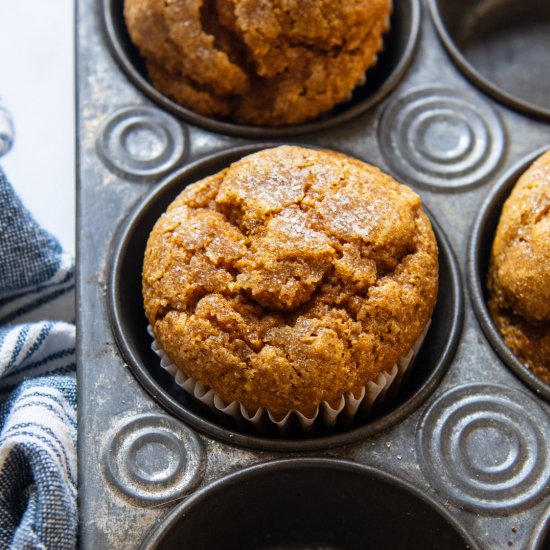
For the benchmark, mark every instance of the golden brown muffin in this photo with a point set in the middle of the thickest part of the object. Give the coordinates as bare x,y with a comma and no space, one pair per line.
290,278
260,62
519,274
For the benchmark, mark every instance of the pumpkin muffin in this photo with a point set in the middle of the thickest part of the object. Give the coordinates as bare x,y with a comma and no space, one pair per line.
258,62
290,278
519,274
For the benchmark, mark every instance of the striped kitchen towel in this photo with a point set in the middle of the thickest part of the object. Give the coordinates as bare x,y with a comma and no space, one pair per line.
37,384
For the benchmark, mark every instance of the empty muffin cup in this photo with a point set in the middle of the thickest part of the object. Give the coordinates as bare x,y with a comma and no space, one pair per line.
307,504
541,533
130,328
502,47
392,63
479,255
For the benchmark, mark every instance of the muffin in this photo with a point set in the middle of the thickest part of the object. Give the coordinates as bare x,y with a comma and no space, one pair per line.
519,273
290,279
258,62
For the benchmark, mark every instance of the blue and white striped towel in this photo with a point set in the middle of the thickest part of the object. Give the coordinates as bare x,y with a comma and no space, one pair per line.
37,384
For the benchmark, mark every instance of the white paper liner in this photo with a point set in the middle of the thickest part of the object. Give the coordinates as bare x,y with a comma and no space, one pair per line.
373,396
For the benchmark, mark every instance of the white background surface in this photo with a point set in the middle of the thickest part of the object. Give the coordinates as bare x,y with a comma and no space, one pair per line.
37,87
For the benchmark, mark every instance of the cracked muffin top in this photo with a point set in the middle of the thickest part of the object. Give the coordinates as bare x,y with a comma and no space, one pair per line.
519,274
290,278
258,62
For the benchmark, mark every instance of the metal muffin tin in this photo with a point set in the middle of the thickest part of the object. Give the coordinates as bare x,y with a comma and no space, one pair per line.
465,448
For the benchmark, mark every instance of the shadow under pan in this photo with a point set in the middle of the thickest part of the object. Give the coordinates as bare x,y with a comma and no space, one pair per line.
502,46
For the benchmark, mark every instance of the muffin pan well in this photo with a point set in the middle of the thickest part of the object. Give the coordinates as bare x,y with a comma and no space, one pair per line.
310,504
130,327
464,448
393,62
479,253
502,46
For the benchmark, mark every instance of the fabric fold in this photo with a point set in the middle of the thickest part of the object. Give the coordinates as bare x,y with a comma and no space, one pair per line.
38,432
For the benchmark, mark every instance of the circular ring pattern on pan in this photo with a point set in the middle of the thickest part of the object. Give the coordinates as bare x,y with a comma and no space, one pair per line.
441,139
153,458
130,325
393,62
479,254
486,447
141,142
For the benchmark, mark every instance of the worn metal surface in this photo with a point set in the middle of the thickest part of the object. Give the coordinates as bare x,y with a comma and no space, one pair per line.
479,444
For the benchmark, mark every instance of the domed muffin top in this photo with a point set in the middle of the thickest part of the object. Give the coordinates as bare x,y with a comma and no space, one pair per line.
261,62
290,277
519,275
521,249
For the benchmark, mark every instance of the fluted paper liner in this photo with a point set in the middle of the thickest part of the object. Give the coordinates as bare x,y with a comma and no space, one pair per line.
372,396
